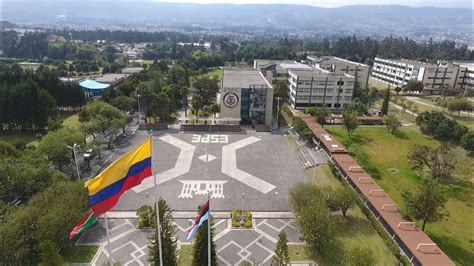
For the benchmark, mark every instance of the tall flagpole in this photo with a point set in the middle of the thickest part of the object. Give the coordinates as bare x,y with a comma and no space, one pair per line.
108,237
158,224
209,240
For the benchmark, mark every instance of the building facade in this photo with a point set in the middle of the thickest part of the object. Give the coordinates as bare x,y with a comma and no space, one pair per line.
320,89
246,95
433,76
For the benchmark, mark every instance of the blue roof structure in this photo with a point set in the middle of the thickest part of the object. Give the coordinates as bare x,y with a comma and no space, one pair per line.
93,85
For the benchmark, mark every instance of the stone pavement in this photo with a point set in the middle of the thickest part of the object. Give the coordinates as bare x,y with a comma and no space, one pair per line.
234,246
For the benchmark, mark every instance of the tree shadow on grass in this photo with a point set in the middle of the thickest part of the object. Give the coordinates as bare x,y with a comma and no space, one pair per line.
351,224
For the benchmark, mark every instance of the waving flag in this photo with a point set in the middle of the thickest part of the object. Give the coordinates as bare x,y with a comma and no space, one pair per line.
123,174
85,224
202,217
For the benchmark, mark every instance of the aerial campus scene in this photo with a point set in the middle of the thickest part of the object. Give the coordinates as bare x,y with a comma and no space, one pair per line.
220,132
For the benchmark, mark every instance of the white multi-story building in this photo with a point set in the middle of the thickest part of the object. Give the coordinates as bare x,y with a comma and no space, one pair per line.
341,66
466,77
320,88
398,72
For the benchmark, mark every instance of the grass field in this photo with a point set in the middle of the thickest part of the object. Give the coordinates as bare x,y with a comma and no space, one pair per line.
81,254
378,151
14,137
71,120
216,73
356,231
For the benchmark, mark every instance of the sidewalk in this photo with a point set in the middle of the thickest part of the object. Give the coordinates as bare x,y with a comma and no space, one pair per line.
192,215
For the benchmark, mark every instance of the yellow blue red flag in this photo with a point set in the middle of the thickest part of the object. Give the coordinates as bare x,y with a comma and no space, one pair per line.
123,174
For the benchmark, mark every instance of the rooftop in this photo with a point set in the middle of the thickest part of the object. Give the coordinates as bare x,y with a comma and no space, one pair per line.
332,59
93,85
318,73
110,78
242,78
406,61
131,70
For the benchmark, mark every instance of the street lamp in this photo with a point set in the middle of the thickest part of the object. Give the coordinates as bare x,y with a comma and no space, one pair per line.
278,111
73,148
138,115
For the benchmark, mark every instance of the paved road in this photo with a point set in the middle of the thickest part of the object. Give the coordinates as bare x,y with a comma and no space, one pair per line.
129,245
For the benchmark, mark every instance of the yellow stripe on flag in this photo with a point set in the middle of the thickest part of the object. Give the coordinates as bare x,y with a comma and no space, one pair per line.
119,169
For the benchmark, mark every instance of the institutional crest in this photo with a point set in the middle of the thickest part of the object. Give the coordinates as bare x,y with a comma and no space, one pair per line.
231,100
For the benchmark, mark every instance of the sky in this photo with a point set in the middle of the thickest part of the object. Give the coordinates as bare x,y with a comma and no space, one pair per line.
320,3
338,3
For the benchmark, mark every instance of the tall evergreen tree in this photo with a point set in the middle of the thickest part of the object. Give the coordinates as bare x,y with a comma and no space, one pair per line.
386,101
200,246
50,254
282,256
169,245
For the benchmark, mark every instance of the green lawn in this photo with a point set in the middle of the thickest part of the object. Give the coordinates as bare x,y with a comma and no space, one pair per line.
71,120
298,253
378,151
81,254
356,231
186,255
216,73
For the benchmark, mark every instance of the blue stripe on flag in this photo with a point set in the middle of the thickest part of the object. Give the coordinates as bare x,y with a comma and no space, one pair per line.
204,218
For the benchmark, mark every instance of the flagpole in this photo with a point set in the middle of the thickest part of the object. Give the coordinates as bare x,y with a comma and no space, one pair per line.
108,237
158,224
209,240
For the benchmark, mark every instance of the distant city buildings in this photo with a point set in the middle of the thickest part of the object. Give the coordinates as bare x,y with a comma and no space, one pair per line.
397,72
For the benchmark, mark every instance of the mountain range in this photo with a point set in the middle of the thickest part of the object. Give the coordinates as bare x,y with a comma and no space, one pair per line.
299,19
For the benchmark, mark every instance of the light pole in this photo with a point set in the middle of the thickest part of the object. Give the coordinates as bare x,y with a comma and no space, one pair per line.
278,112
138,115
73,148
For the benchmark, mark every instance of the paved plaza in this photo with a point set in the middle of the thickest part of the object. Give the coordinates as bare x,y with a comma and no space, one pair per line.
234,246
247,170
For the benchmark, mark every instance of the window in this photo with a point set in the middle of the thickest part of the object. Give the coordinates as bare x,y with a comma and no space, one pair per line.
340,82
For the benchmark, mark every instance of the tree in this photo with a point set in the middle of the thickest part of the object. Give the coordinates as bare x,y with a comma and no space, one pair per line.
184,94
321,115
397,90
427,203
358,107
467,141
312,216
349,121
281,90
214,109
169,242
54,146
392,123
50,254
414,85
386,101
198,103
440,127
101,115
281,257
440,161
345,199
459,105
124,103
7,149
207,88
310,111
200,246
60,206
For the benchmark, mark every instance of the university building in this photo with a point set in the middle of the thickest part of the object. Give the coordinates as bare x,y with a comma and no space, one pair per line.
397,72
246,96
341,67
320,88
278,70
